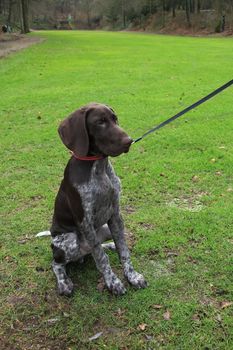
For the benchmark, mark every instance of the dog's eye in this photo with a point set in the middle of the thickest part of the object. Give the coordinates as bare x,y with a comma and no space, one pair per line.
114,118
101,121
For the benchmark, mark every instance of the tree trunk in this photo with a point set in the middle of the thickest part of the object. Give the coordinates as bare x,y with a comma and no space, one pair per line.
9,11
20,15
187,8
123,13
88,12
192,6
25,16
88,19
150,6
163,13
173,8
164,5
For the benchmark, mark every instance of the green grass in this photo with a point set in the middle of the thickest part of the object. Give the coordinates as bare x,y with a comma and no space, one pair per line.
176,201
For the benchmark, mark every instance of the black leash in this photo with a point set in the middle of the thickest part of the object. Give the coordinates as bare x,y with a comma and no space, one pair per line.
187,109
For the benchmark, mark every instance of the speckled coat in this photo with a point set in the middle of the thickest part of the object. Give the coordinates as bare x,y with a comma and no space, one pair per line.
86,214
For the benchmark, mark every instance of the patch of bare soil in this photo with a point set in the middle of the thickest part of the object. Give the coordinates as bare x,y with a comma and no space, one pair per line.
10,43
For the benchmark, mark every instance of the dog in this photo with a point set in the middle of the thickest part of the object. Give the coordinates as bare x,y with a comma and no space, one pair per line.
86,211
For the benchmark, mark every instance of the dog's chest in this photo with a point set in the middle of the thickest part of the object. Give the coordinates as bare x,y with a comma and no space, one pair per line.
100,196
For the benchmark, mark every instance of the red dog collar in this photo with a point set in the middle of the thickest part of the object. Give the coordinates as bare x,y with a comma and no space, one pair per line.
87,157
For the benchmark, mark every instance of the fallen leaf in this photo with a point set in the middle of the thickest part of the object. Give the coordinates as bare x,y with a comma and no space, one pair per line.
167,315
196,317
195,178
142,326
172,253
119,312
192,260
53,320
157,306
101,285
96,336
148,337
9,258
24,240
218,173
225,304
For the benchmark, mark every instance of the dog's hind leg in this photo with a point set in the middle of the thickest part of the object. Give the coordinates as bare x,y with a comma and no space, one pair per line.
65,249
104,235
64,283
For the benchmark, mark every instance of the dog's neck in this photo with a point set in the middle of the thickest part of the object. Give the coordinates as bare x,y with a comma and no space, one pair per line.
88,158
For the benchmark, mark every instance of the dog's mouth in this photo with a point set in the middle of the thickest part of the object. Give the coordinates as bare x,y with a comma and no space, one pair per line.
113,148
126,149
123,149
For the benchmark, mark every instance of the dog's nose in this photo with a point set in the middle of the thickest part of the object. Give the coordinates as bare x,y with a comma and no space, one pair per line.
127,141
126,144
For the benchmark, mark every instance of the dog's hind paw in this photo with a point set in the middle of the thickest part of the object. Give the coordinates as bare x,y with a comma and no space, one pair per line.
65,287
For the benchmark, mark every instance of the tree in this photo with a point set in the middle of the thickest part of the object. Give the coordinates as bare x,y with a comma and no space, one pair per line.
187,9
25,16
117,13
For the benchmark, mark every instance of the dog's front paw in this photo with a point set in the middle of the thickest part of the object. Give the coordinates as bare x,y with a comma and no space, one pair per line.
115,285
65,287
136,279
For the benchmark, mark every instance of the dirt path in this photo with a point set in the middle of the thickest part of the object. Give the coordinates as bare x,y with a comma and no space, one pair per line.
10,43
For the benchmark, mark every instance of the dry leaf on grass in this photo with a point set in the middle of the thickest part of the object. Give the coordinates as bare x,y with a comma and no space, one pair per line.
218,173
96,336
218,318
157,306
100,285
225,304
196,317
167,315
149,337
119,312
53,320
195,178
142,326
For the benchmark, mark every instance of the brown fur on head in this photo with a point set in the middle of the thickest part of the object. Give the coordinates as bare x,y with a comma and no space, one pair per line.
94,129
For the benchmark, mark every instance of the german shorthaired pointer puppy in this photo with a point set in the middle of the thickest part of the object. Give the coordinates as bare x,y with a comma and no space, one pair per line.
87,210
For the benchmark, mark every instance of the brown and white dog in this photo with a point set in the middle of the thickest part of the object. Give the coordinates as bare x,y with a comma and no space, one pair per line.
87,212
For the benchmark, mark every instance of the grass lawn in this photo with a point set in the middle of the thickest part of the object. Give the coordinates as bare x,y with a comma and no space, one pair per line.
176,201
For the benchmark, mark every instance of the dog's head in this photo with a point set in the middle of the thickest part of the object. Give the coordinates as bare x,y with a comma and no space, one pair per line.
92,130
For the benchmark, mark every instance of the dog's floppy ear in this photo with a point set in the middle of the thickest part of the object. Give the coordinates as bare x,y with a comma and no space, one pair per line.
73,132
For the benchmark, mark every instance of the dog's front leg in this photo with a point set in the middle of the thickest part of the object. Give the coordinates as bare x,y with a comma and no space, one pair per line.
116,227
113,283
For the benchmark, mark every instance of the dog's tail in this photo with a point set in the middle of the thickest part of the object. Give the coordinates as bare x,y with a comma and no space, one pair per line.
43,233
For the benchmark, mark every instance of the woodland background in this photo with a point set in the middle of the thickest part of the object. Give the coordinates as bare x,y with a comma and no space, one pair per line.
179,16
